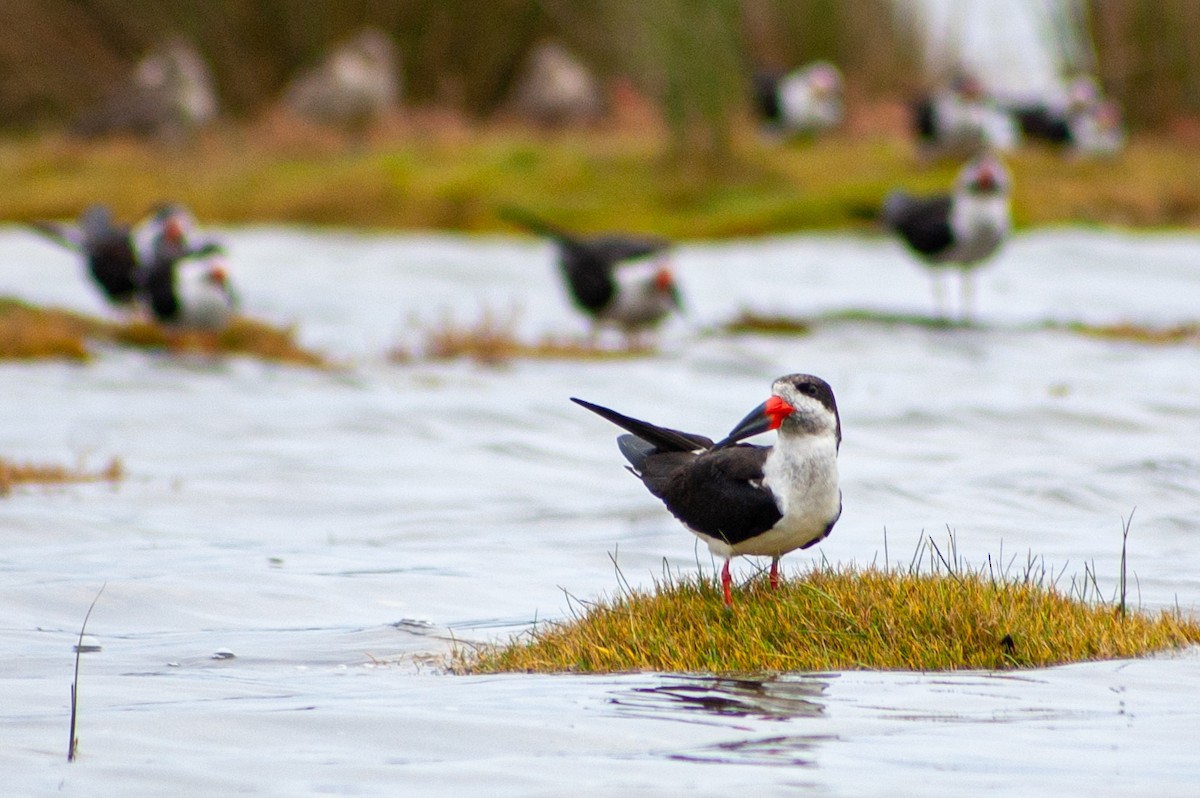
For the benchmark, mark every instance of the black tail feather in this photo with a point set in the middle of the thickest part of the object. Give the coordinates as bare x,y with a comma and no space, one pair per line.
535,224
66,235
663,439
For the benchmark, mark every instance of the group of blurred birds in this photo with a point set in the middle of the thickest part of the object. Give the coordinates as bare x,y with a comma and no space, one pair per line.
164,268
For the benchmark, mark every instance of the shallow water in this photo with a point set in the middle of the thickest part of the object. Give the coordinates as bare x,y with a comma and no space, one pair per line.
333,531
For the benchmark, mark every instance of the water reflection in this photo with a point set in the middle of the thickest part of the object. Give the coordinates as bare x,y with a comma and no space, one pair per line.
700,699
793,750
723,702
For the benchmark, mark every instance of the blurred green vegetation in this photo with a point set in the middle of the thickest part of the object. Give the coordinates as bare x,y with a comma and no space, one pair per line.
594,180
682,160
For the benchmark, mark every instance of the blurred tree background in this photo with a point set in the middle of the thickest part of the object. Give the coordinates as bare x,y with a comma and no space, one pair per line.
691,58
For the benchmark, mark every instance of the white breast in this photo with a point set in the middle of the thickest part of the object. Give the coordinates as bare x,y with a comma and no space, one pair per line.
202,303
638,302
803,475
980,226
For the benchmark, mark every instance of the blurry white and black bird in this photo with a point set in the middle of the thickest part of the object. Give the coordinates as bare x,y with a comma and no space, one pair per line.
618,280
1082,122
959,230
107,248
170,224
742,499
185,287
961,119
804,102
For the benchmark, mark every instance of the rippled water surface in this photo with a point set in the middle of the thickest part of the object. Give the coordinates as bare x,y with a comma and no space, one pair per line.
334,531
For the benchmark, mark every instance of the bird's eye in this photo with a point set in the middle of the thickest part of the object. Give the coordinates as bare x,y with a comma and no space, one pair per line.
809,389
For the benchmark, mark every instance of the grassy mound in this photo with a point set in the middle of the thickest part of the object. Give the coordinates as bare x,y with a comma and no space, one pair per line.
838,619
13,474
28,332
493,340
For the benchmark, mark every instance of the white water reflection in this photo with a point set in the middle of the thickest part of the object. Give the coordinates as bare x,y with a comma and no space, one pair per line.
333,531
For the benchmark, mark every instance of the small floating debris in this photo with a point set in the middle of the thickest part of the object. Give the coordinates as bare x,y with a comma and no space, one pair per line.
224,653
13,474
88,645
415,626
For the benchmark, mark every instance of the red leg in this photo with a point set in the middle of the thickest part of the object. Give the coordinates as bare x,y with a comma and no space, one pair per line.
726,579
774,573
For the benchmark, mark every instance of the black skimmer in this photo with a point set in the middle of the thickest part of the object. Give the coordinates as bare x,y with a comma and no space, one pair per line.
743,499
618,280
170,225
803,102
188,288
1083,123
962,120
107,249
958,230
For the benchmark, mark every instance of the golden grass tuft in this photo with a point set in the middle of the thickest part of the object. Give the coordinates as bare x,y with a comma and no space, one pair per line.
28,332
1136,333
242,336
493,341
841,618
13,474
747,321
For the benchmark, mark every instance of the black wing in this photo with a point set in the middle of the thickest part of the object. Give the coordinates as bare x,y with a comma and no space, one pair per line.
1039,122
924,119
766,95
587,263
65,235
718,493
923,222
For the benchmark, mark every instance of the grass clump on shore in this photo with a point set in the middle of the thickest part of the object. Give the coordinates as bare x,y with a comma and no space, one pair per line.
840,618
242,336
28,332
13,474
493,340
1139,334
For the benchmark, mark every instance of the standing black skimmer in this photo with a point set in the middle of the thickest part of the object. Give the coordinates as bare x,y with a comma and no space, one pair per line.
960,230
107,250
743,499
187,288
962,120
803,102
618,280
1083,122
